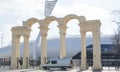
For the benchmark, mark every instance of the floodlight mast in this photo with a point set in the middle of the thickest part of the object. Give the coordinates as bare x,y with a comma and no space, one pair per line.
49,5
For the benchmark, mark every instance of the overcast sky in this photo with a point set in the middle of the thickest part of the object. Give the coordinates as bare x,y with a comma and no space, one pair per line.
13,12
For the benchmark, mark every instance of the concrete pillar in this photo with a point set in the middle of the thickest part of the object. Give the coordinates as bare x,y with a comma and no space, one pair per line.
26,51
43,33
83,51
62,29
15,51
96,50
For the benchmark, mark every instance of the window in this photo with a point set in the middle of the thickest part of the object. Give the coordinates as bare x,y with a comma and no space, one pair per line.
54,62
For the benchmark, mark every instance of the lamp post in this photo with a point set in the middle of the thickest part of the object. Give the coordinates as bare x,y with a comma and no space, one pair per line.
2,48
2,44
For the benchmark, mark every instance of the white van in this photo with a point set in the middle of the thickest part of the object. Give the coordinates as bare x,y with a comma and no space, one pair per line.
62,63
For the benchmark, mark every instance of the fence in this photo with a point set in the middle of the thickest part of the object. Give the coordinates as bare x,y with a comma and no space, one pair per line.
110,64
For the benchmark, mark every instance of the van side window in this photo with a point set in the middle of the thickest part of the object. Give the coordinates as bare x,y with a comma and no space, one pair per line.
54,62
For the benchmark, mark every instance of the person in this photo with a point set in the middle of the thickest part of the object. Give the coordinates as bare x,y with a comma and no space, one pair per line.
21,62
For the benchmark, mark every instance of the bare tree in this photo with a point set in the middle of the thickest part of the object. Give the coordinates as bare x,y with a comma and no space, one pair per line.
116,41
116,36
116,16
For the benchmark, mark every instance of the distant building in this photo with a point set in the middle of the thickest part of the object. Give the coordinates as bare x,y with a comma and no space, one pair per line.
105,48
107,56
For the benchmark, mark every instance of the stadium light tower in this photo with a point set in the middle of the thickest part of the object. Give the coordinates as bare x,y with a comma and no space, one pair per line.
49,5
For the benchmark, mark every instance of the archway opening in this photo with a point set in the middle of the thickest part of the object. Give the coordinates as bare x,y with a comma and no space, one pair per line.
89,48
72,38
53,40
21,49
34,42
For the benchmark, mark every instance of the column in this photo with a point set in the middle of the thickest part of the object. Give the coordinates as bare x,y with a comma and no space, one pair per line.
15,51
18,50
43,33
83,51
26,51
96,50
62,45
62,29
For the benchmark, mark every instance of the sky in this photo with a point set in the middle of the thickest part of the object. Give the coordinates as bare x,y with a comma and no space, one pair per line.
14,12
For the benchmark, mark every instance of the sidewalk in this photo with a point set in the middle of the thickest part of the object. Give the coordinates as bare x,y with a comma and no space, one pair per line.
76,69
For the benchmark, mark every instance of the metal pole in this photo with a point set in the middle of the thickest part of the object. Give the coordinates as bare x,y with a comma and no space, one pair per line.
2,45
2,48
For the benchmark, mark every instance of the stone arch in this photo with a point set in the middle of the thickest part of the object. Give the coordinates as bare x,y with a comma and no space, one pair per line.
44,31
25,32
48,20
30,22
17,32
67,18
62,27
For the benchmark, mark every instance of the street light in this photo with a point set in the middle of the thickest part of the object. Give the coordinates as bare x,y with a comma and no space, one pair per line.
2,44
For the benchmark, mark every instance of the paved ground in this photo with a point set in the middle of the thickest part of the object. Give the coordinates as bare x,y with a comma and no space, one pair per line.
76,69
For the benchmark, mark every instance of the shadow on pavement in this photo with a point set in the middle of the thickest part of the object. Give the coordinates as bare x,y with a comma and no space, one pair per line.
79,71
56,70
96,71
90,71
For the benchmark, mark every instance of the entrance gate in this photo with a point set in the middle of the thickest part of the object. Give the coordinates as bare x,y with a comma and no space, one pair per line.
85,26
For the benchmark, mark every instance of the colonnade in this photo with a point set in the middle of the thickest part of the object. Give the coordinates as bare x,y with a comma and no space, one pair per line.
85,26
17,32
94,27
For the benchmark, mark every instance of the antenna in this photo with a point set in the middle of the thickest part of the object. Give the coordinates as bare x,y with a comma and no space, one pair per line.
49,5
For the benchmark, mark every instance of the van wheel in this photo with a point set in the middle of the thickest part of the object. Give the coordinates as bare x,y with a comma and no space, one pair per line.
62,68
46,68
